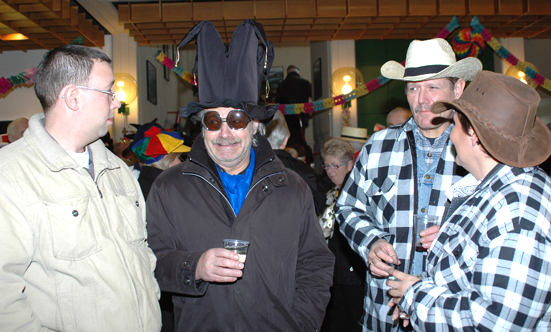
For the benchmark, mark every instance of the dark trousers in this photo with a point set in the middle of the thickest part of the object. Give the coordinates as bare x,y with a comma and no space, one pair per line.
345,309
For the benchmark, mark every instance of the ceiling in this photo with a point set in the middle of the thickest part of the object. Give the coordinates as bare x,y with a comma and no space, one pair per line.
50,23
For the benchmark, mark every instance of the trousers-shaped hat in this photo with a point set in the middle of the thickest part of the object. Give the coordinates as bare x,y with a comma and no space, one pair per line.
231,76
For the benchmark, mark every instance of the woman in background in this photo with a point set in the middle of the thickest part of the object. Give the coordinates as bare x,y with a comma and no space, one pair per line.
346,305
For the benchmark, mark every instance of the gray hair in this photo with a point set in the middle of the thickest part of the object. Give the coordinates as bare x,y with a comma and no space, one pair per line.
261,129
339,148
277,131
62,66
165,162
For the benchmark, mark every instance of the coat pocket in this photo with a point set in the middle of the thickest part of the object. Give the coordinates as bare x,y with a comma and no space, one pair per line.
134,224
73,232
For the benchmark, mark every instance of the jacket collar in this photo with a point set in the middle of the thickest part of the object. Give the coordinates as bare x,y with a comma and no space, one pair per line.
263,155
54,156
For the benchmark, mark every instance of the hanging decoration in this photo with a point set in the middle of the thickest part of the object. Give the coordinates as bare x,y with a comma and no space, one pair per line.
468,43
165,60
505,54
25,78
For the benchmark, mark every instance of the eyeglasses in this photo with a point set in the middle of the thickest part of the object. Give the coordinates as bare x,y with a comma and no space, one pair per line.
333,167
236,120
112,93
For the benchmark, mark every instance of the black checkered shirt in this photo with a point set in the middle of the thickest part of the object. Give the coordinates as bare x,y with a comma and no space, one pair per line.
490,267
379,200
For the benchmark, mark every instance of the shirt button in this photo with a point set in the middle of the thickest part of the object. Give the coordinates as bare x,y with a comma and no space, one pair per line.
423,210
457,253
187,265
281,179
427,176
187,281
137,203
351,269
264,188
75,213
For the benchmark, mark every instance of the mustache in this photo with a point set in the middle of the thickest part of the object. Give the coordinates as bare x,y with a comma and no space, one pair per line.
423,107
226,141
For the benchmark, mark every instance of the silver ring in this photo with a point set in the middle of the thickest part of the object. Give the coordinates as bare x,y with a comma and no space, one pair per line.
369,266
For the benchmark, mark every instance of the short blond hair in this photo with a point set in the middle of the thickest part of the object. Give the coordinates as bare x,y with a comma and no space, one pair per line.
339,148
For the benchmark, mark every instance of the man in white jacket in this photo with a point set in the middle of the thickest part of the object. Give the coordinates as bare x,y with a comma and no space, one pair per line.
73,249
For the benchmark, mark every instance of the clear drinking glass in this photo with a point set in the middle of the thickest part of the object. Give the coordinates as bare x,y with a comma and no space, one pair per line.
420,223
240,247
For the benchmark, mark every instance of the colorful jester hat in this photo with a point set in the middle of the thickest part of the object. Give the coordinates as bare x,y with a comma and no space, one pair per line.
151,143
231,76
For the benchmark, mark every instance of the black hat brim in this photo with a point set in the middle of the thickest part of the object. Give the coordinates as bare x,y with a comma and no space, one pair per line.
263,113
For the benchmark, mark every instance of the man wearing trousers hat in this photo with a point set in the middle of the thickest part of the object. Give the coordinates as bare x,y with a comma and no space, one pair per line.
232,186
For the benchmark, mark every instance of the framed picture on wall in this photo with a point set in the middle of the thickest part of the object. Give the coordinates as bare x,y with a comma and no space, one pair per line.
151,82
166,70
316,73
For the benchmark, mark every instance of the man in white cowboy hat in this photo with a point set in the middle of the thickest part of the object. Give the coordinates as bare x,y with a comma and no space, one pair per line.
489,268
403,171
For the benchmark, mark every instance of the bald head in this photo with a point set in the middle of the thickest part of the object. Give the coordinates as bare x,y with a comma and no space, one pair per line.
397,116
16,129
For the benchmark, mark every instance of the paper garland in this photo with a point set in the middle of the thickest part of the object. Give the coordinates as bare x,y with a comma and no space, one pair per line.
186,75
27,76
505,54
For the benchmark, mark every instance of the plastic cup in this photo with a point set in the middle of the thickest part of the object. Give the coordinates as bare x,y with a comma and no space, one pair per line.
240,247
420,223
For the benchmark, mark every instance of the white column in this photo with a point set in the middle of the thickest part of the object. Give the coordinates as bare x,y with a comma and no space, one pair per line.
125,53
343,54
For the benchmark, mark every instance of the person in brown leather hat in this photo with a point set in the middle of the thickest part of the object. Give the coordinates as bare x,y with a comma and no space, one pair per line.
488,269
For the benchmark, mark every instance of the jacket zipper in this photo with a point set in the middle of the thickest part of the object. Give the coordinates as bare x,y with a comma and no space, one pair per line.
96,182
227,201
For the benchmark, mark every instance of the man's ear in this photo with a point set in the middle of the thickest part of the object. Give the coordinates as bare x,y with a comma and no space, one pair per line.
70,97
458,88
474,137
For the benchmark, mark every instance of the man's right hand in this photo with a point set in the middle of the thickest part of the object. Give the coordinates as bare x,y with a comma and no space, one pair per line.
219,265
380,255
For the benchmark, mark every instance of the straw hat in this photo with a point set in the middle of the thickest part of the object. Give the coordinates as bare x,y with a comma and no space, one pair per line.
502,111
354,134
431,59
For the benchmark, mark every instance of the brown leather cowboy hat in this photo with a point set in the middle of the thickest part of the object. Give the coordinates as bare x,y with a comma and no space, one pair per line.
502,111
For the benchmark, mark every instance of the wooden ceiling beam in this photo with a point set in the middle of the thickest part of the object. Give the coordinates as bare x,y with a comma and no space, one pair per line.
362,18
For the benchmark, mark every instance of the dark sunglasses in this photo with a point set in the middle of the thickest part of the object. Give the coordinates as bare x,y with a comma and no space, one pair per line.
236,120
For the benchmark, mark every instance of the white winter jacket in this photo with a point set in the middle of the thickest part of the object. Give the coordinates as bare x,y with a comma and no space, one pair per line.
73,249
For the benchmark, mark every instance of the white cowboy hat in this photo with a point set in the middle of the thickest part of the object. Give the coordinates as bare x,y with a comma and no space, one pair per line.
354,134
431,59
